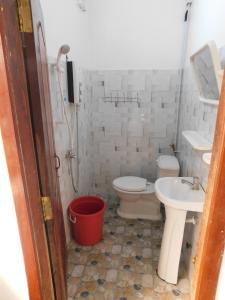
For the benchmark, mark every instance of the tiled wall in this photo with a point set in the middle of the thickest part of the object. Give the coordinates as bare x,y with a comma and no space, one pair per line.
122,138
85,147
62,144
128,137
194,115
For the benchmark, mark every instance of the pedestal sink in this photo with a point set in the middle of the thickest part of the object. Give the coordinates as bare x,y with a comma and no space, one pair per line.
178,198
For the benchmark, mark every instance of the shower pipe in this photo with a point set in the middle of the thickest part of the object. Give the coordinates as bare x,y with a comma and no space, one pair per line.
70,155
182,66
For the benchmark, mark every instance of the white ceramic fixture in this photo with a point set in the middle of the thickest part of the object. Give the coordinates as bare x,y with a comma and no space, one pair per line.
137,198
197,140
207,158
178,198
137,195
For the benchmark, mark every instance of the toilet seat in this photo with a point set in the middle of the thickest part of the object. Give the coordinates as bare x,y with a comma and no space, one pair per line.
130,184
137,198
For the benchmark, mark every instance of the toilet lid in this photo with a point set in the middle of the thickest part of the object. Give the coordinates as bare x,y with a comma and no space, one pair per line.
168,162
130,183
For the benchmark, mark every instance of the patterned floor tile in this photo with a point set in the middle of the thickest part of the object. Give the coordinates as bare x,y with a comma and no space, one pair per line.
123,265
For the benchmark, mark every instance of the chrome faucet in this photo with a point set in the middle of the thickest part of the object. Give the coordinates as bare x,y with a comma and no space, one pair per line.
195,185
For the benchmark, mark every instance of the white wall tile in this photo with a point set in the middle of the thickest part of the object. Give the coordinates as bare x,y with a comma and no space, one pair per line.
122,140
129,128
198,116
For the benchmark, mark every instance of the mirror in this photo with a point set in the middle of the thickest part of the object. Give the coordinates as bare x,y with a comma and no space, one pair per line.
208,73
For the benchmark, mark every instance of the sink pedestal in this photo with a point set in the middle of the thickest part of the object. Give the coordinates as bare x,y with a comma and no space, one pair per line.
171,244
177,195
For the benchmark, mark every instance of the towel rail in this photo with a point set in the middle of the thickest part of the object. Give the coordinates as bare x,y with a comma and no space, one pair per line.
122,99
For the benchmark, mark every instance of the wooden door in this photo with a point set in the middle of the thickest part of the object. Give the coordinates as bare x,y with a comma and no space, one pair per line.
26,127
39,94
212,236
17,136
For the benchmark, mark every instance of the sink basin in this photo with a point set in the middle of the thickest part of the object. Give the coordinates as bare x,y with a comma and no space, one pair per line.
173,193
178,198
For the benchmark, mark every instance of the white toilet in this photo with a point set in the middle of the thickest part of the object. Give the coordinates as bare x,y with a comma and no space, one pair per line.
137,195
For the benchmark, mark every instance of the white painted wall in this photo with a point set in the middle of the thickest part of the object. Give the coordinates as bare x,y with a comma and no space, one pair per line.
13,281
136,34
117,34
207,23
65,23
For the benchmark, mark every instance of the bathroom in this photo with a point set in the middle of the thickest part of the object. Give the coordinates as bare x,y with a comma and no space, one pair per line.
137,51
133,120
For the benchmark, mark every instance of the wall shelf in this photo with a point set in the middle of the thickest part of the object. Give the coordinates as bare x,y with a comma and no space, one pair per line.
197,141
207,158
209,101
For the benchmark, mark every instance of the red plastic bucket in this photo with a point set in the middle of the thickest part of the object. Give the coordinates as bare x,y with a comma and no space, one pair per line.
86,216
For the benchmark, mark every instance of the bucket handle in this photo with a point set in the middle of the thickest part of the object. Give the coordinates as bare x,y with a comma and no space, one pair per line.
72,220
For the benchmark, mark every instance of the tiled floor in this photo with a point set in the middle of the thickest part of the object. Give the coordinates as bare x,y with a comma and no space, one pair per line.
123,265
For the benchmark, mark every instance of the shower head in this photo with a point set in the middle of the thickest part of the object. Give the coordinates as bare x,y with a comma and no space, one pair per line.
63,50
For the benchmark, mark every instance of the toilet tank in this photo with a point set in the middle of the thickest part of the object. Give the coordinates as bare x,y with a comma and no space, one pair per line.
167,166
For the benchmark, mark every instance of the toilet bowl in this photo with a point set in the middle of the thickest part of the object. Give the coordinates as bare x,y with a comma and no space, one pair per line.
137,198
137,195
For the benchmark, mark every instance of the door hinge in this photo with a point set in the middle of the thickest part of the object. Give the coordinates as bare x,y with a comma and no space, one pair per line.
47,208
24,15
194,259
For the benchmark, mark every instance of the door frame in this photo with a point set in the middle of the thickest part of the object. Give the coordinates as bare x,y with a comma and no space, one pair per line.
37,72
17,136
212,234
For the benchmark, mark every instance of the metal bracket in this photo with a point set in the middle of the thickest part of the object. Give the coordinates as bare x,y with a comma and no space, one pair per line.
47,208
24,15
194,259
